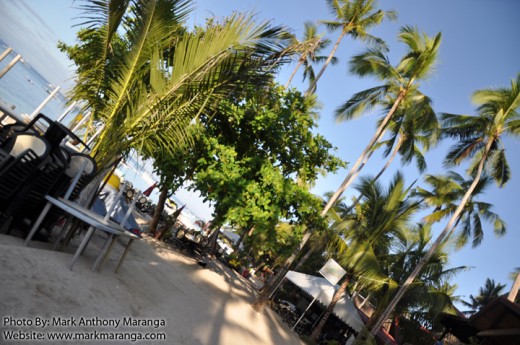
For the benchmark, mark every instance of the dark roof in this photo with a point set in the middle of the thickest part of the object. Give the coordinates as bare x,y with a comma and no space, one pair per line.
498,322
459,326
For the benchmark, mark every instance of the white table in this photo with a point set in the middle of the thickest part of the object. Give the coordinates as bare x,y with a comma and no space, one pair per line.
95,222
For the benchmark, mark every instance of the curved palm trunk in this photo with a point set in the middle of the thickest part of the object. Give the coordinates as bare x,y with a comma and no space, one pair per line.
263,298
446,231
388,162
337,295
300,62
354,171
514,289
158,211
304,259
312,86
265,295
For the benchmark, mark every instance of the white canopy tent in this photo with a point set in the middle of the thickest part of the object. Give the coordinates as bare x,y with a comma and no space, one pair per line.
320,289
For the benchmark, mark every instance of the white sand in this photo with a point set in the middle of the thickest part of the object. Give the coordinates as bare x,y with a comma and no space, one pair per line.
199,306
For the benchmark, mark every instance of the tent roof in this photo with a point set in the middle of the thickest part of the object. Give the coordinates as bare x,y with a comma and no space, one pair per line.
323,291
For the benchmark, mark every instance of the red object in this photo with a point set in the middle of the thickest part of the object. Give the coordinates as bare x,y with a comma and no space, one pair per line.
149,190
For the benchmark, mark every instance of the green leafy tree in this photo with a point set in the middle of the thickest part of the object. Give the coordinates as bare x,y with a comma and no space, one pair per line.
255,152
479,137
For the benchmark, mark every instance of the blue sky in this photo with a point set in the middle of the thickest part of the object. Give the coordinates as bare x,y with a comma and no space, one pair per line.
480,49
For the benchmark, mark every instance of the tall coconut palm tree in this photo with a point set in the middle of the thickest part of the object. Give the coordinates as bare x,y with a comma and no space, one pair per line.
414,129
400,84
354,18
430,294
379,218
309,48
479,137
416,65
320,240
446,192
487,293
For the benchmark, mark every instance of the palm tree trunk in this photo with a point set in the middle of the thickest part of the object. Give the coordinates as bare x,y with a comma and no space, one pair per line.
212,243
447,229
304,259
337,295
263,298
300,62
312,86
241,238
514,289
158,210
265,295
354,171
390,160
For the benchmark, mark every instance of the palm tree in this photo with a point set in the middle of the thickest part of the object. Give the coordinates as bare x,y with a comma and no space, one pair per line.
168,76
414,129
446,192
486,294
400,87
431,294
353,18
378,220
481,138
309,48
319,240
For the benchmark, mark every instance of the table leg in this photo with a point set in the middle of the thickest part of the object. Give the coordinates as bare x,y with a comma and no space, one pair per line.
103,255
37,223
62,231
130,241
82,246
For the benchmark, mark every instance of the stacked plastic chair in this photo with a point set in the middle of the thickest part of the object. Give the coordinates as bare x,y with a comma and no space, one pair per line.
28,178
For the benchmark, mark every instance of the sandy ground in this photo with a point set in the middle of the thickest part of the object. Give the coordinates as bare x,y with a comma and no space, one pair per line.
158,286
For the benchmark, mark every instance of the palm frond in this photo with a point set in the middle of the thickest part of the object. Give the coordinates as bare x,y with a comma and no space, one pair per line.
500,170
361,102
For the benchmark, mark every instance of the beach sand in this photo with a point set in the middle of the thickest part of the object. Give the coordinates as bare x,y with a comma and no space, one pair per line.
157,291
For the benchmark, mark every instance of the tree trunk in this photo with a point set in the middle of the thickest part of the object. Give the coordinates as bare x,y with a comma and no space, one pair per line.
447,229
304,259
337,295
263,298
312,86
354,171
241,239
158,210
300,62
514,289
265,295
212,243
390,160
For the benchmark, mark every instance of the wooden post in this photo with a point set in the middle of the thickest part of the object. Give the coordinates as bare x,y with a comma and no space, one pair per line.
62,116
10,65
5,53
514,289
40,107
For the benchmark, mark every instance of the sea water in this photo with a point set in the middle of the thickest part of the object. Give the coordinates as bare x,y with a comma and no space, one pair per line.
23,89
